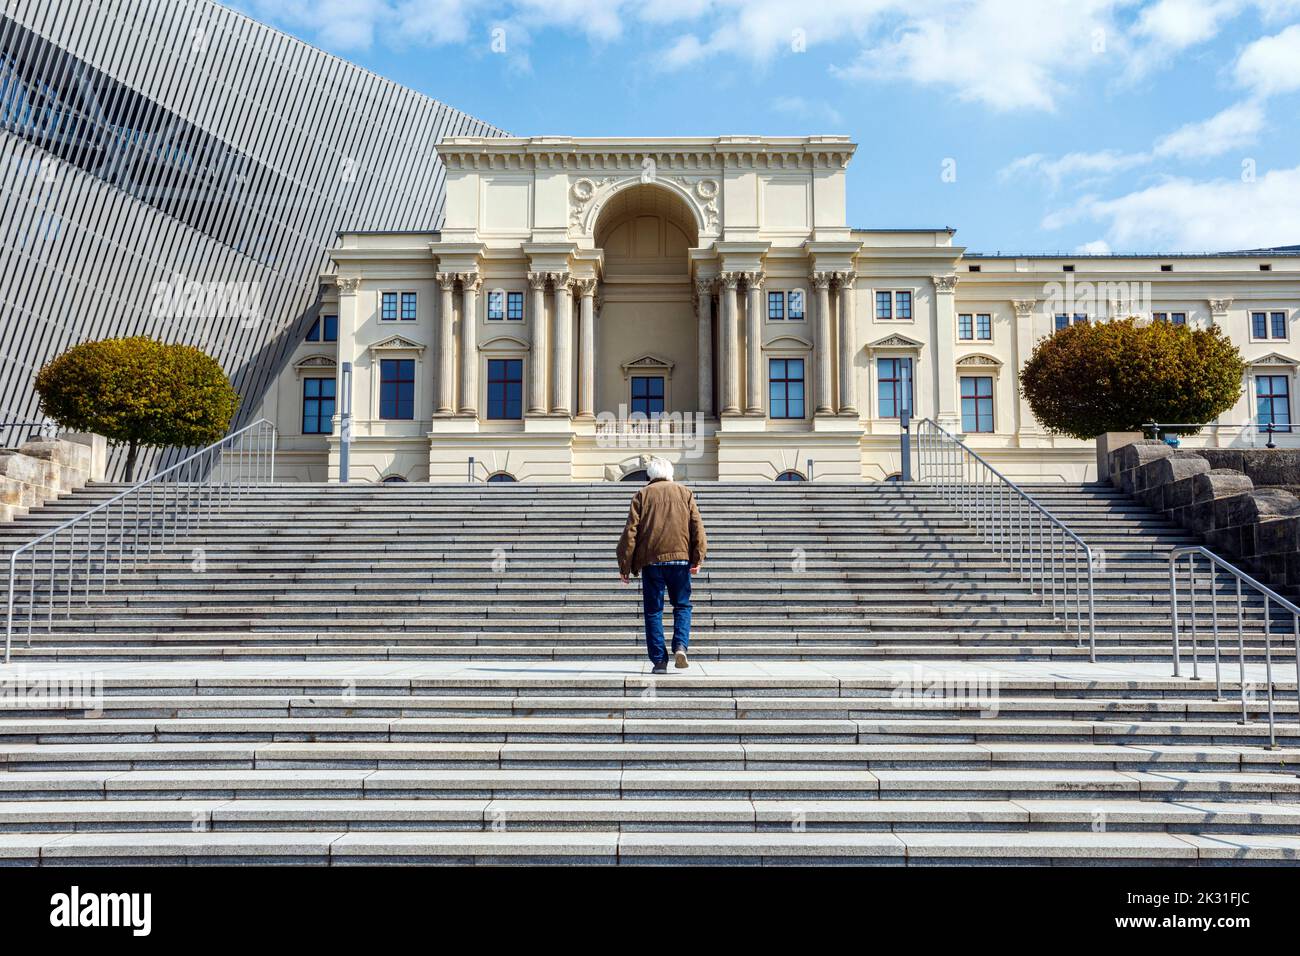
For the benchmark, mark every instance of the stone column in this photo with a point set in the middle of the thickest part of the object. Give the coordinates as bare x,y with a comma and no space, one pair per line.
730,364
348,287
446,345
754,345
469,283
537,404
945,364
1024,342
848,342
562,374
704,323
587,348
822,345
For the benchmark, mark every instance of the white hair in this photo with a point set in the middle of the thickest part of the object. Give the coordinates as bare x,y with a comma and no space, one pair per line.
658,468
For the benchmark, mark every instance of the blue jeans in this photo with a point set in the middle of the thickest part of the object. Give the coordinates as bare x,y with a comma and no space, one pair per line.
676,578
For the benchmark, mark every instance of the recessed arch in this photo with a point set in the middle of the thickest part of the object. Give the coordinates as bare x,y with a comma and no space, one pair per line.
629,200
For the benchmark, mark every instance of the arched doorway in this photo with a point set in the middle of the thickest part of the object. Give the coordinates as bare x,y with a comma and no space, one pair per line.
647,336
640,475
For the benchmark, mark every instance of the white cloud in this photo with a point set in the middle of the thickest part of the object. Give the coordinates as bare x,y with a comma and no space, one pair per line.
1183,215
1102,163
1271,65
1098,247
1229,129
1178,24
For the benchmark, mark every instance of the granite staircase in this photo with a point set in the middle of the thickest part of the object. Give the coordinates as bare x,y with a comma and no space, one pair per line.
421,674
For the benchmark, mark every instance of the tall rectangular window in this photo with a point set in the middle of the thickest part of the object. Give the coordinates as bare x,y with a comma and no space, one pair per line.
325,328
965,327
515,306
795,311
1273,401
884,305
1259,325
903,305
1178,318
397,389
408,307
775,306
983,327
496,306
388,307
317,406
648,394
506,389
894,386
976,403
1279,325
1063,319
785,388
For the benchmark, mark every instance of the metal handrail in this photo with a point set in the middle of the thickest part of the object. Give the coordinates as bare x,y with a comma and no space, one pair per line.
1271,597
152,512
1056,562
45,429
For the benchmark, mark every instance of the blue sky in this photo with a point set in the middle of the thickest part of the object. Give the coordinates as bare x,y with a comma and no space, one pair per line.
1028,125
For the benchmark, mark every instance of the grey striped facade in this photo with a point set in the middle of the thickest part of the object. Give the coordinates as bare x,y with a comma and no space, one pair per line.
158,145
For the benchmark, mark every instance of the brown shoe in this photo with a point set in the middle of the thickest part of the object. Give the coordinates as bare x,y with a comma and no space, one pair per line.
679,659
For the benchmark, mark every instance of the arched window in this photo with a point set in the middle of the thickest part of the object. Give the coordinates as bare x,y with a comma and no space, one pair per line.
791,475
500,476
896,476
638,475
394,480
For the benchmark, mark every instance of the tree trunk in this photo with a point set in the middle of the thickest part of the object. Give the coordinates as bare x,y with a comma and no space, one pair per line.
131,451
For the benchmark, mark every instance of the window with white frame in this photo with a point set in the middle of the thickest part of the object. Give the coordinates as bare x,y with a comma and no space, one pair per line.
785,305
974,327
1268,326
1273,401
397,305
977,403
894,305
1177,318
1064,319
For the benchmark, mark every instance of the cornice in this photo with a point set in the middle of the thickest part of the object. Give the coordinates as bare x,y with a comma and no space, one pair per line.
623,154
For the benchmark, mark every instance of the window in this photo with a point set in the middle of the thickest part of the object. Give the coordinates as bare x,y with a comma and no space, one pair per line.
894,386
785,387
388,307
1177,318
976,403
324,329
1273,402
505,389
884,305
790,476
903,304
1268,325
795,312
975,327
515,306
983,327
317,406
1063,319
965,327
408,307
394,480
648,394
496,306
397,389
500,477
638,475
775,306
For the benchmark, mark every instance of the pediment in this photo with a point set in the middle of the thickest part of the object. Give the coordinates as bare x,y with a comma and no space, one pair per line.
1274,358
788,342
648,362
504,343
895,341
978,360
316,361
396,343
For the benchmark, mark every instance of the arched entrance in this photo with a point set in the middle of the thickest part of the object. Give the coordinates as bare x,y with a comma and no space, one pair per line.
647,337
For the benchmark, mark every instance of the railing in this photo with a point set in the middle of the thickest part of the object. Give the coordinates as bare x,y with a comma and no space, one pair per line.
13,434
1238,612
1252,430
1055,562
63,566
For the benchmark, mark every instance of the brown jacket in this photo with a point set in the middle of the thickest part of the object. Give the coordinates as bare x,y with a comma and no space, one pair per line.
663,524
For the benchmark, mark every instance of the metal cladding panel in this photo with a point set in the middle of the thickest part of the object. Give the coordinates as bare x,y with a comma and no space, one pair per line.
157,145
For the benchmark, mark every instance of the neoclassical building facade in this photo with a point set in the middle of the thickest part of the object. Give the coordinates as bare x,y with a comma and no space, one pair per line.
591,302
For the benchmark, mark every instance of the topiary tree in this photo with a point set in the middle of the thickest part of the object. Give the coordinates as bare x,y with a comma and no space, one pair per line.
1092,378
137,391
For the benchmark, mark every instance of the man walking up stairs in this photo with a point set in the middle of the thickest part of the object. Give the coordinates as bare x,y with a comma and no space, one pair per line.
663,541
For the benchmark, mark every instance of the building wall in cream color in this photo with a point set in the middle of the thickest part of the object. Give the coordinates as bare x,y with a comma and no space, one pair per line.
657,258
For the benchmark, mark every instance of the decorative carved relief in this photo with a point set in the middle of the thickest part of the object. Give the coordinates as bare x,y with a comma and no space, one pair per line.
1024,307
348,285
945,283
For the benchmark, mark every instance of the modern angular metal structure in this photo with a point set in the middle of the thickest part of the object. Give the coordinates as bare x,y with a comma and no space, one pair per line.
176,169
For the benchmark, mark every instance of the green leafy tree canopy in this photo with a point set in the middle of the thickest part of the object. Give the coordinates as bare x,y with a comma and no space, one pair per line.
1092,378
139,392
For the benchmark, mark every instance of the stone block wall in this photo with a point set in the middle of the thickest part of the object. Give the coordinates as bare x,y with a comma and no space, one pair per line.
1258,528
46,468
